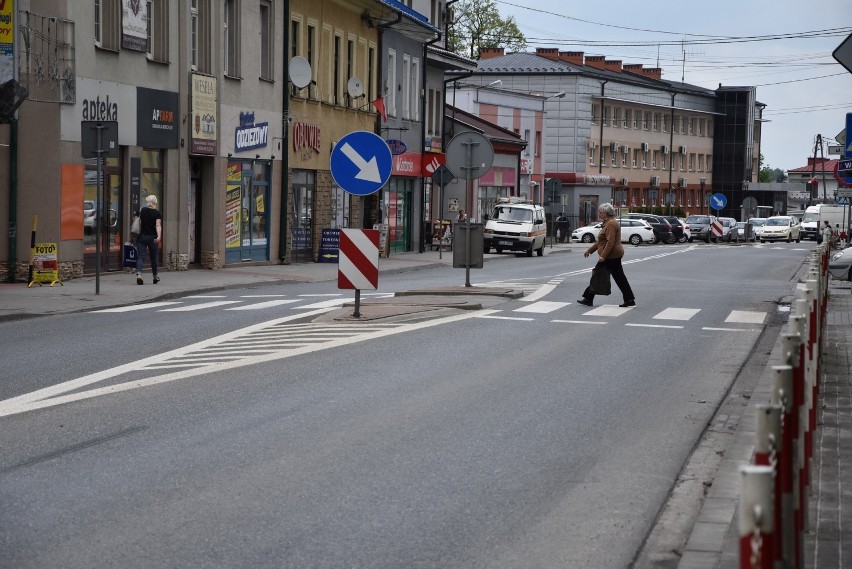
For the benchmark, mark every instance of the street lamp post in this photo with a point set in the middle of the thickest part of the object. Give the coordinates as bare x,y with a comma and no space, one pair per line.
540,151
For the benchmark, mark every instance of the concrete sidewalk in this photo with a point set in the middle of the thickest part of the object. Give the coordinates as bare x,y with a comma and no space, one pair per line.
714,540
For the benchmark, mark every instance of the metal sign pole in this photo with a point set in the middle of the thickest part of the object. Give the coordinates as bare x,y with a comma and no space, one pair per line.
99,212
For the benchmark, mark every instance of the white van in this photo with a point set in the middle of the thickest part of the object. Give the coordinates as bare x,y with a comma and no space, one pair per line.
516,225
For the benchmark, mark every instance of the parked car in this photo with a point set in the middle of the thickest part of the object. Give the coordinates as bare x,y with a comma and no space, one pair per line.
678,228
780,227
662,228
633,231
90,212
840,265
756,224
729,224
742,232
699,227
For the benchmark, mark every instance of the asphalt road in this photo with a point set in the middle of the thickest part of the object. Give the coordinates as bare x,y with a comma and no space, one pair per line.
535,433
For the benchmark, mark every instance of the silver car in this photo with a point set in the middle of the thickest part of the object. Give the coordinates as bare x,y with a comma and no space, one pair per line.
840,265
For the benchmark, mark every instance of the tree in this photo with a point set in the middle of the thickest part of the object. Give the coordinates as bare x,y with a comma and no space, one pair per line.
478,24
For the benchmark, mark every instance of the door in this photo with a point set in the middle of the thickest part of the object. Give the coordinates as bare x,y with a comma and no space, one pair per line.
107,217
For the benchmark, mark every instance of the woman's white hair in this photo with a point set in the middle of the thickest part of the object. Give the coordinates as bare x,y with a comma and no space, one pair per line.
151,200
607,209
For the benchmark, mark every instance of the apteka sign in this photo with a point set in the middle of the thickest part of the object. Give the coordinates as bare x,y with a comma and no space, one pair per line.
248,135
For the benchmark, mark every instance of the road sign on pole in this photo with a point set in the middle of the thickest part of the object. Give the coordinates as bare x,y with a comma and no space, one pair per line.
718,201
358,265
361,163
843,53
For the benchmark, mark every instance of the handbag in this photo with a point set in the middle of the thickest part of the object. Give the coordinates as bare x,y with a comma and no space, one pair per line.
600,283
136,226
130,255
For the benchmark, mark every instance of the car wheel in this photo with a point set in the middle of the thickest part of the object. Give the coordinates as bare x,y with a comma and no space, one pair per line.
682,239
690,239
540,250
487,249
762,241
707,240
798,239
530,250
635,240
498,249
671,240
789,238
587,238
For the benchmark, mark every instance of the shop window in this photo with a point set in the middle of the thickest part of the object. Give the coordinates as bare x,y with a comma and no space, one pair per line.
390,85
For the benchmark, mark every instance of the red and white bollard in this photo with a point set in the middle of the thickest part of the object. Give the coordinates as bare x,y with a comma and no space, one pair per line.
757,518
767,452
782,394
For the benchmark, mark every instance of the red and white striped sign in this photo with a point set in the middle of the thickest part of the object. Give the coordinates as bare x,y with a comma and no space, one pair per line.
717,229
358,263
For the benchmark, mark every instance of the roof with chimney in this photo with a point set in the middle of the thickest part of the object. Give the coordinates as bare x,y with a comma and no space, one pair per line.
818,165
553,61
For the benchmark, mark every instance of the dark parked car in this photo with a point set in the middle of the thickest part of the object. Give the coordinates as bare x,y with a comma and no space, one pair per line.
662,228
677,228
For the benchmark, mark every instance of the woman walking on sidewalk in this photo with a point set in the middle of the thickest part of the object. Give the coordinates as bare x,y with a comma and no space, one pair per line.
149,237
610,251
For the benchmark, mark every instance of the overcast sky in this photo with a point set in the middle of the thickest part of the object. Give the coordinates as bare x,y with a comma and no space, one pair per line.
806,92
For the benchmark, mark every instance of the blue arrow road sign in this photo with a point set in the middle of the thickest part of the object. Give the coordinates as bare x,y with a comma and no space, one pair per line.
718,201
361,162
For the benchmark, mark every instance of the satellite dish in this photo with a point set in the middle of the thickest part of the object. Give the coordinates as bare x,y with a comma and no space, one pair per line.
355,88
300,72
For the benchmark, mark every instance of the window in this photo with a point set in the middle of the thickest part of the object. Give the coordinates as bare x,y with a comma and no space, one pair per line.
628,118
606,111
683,163
200,36
310,55
700,164
406,86
438,112
591,156
691,162
158,31
614,159
654,157
616,117
646,120
665,123
371,73
108,24
645,159
232,38
624,156
267,40
538,143
596,114
636,118
683,125
295,38
662,161
692,125
635,157
655,124
335,69
350,67
390,85
415,89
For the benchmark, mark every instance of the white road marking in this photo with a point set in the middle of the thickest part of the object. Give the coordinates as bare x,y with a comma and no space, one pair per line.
508,318
201,306
544,290
62,393
139,306
323,304
262,295
729,329
607,310
746,317
318,295
579,322
264,305
654,326
677,313
542,307
206,296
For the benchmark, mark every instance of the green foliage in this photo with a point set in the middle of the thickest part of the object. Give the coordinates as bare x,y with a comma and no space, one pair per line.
478,24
